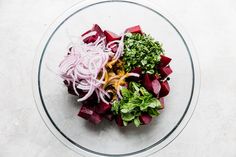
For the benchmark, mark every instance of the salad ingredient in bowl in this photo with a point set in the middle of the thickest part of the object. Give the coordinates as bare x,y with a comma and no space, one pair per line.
117,77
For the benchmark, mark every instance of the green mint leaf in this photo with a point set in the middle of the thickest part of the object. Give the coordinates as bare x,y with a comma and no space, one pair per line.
115,107
154,103
125,123
136,100
125,93
124,110
127,117
137,122
153,112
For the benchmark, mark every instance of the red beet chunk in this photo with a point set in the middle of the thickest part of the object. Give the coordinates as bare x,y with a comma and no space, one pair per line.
145,118
102,107
71,89
110,36
98,29
93,38
165,89
90,39
165,71
134,29
95,118
85,112
152,84
162,102
119,121
156,87
165,60
137,70
92,100
148,82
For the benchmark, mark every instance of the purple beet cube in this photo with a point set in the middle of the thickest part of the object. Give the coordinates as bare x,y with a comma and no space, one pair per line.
145,118
95,118
85,112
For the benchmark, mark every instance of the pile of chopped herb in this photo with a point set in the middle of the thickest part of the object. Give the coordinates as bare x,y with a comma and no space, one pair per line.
141,50
136,100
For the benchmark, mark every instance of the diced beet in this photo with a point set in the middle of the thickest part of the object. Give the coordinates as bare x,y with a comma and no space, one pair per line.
156,87
134,29
165,71
165,60
137,70
102,107
165,89
85,112
98,29
110,36
93,38
95,118
109,116
162,102
90,39
147,82
69,87
145,118
119,121
92,101
152,84
71,90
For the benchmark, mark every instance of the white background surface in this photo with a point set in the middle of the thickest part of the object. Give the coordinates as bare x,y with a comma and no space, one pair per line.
210,23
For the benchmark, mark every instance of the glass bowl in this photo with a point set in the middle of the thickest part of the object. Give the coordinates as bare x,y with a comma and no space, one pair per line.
59,110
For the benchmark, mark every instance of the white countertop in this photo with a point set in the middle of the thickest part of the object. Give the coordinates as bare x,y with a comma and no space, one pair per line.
211,25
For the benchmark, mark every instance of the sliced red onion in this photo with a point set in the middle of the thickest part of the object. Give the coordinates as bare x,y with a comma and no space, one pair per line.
86,61
118,92
98,96
102,97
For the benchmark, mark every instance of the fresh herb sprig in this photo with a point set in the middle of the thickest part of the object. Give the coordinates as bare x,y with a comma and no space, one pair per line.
141,50
136,100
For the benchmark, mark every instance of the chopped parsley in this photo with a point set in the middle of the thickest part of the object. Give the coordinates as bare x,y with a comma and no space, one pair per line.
141,51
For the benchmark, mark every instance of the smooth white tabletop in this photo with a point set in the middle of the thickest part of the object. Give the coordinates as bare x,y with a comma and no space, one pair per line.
211,25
